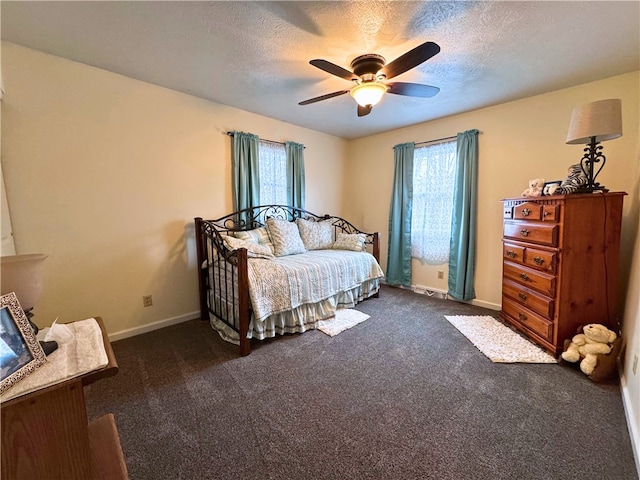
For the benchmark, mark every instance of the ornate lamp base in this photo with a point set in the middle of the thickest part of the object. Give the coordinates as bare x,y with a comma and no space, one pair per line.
592,156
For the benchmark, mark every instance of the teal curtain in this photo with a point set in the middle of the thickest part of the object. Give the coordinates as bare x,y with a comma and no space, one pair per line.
246,172
462,256
295,174
399,252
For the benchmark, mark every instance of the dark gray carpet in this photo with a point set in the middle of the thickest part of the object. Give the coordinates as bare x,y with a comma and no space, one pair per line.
403,395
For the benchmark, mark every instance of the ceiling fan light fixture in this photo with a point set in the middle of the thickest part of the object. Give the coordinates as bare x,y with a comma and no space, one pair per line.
368,93
370,71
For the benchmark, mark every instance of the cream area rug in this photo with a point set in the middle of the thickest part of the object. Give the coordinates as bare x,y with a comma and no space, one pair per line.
497,341
344,319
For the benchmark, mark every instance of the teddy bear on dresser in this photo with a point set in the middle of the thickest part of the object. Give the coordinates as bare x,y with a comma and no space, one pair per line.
596,339
535,188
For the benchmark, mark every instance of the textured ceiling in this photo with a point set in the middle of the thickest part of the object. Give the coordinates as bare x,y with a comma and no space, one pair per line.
254,55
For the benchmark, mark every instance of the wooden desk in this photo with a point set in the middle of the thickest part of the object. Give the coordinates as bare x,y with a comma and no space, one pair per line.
45,433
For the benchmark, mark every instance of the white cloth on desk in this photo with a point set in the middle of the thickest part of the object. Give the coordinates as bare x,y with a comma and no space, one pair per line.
83,354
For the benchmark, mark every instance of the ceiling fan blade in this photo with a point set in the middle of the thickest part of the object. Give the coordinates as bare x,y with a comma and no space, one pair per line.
323,97
412,89
362,111
334,69
411,59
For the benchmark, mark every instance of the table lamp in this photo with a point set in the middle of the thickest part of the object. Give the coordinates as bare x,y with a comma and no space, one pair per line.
22,274
591,124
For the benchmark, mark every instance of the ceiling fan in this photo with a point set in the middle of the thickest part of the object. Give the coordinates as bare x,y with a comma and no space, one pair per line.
370,72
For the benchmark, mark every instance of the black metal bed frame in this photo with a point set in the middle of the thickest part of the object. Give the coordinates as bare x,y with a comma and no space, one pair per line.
224,291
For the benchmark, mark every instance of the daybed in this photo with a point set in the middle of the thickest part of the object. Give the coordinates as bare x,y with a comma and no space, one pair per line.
269,270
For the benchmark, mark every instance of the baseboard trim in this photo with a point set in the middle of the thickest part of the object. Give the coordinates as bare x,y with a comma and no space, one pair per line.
439,293
489,305
632,421
132,332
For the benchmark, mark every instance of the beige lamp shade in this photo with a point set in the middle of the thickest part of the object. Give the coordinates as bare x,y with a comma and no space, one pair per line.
22,274
601,119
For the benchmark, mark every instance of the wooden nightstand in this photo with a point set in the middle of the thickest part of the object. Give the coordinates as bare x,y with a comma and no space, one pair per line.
45,433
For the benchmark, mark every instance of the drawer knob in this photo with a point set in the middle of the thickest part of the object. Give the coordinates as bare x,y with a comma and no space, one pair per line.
539,260
522,317
524,276
522,296
525,212
524,232
511,254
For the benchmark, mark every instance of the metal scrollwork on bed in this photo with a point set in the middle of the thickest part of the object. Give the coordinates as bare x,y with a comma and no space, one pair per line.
223,276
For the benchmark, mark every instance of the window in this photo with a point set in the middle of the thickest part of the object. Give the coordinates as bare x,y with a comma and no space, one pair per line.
273,173
433,182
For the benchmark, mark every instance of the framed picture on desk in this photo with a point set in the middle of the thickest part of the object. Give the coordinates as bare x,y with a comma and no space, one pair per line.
20,352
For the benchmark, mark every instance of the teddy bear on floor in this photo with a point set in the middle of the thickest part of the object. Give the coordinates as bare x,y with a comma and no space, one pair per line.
535,188
595,340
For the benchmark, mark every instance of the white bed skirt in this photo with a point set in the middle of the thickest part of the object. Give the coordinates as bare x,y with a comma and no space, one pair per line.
300,319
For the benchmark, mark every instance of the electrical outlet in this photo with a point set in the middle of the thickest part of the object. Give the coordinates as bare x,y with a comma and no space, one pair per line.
440,273
147,301
635,364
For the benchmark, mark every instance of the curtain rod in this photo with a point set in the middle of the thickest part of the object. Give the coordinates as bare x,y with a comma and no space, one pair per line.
437,140
443,139
230,134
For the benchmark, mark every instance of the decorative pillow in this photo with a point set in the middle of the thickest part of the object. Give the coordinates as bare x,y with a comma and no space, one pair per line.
285,237
258,235
315,235
254,250
350,241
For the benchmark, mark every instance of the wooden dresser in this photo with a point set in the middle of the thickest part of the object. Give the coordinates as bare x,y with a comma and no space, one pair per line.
45,433
560,264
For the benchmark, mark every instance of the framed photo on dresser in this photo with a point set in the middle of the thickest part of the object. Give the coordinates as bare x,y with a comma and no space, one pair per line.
549,187
20,352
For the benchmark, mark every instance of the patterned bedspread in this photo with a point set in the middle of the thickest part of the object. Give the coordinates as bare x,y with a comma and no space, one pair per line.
285,283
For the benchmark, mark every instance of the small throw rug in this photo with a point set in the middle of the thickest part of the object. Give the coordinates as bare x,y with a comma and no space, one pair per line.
344,319
497,341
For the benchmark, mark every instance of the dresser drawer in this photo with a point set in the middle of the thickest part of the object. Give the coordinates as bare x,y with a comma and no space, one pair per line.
527,211
534,211
550,213
525,317
541,259
512,252
534,301
539,281
546,234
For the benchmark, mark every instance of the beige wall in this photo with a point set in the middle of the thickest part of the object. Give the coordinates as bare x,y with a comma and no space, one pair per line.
520,140
105,174
630,380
